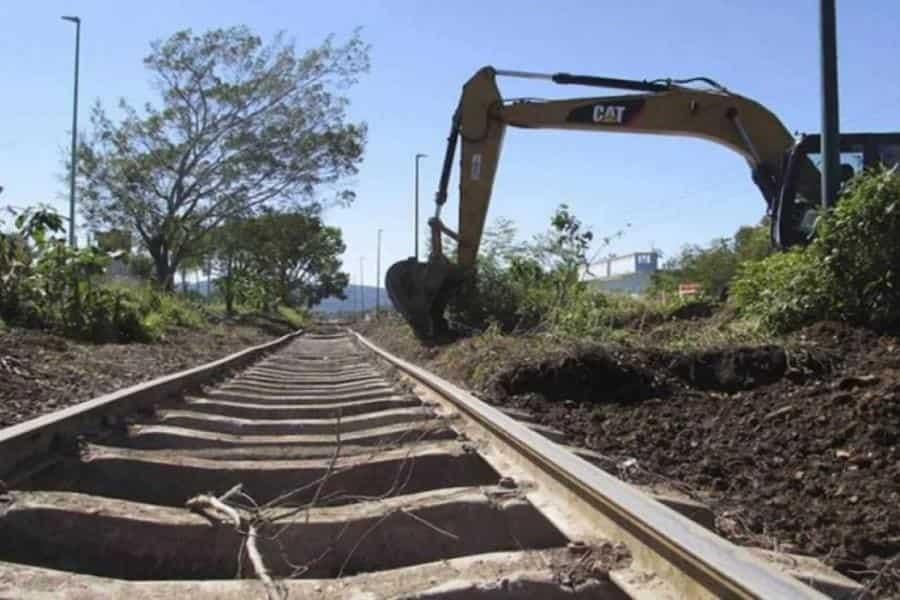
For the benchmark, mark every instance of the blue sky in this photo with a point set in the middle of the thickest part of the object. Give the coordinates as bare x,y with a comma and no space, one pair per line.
673,191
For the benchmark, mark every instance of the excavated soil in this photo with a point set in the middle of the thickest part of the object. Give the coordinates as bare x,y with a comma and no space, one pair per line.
41,373
794,448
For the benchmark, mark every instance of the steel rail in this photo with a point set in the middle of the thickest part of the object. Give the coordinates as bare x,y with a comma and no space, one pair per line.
693,561
38,438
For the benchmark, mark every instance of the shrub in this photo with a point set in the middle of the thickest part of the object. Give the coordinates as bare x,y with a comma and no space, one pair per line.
160,311
783,291
849,272
46,284
861,248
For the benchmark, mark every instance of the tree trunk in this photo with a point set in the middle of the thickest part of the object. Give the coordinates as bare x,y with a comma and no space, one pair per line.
165,274
228,289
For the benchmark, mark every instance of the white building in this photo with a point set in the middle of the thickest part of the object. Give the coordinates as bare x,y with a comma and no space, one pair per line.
629,274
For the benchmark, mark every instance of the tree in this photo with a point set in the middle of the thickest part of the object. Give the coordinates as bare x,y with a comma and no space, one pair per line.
565,246
714,265
233,252
287,257
753,243
299,254
241,124
499,245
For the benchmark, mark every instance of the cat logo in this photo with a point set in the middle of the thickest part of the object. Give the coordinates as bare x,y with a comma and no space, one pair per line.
609,113
618,111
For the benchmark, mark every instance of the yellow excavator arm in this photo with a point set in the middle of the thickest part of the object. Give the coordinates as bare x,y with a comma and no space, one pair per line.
697,108
714,114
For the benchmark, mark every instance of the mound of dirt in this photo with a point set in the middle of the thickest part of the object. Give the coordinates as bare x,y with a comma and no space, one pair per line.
731,369
596,376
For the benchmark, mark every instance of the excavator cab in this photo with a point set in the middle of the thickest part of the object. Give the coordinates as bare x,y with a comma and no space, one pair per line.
798,202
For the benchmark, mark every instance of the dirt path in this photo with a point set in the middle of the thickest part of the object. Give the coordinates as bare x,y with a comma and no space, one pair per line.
40,373
795,449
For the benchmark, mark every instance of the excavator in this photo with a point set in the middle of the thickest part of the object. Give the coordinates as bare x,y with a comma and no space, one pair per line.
781,166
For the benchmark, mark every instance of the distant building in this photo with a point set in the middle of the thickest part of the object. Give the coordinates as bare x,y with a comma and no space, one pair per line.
629,274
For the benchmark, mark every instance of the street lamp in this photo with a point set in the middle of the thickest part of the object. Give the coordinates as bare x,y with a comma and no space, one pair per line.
378,275
418,156
74,156
362,291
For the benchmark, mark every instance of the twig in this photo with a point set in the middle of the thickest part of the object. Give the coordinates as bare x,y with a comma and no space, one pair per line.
237,489
888,566
361,539
431,526
273,591
205,502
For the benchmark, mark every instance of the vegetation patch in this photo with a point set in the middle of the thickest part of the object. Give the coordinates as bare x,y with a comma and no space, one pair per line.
45,284
849,272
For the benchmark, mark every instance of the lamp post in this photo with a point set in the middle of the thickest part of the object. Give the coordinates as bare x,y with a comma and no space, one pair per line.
362,292
831,144
378,275
74,156
418,156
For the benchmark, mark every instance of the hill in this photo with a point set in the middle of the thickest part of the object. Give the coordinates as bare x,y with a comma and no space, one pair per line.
352,303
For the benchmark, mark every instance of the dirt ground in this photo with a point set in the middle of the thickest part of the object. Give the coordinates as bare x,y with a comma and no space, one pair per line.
40,373
794,446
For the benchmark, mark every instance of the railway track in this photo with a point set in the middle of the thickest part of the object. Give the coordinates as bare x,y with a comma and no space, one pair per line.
331,469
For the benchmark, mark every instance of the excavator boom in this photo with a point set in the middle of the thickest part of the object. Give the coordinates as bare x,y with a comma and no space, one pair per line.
678,108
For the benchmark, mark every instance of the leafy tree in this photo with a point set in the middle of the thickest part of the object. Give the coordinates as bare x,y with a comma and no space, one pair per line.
287,257
240,124
538,285
752,243
299,255
567,243
140,266
499,243
231,257
714,265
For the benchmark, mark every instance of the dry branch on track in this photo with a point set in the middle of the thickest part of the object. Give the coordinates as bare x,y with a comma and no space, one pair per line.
270,520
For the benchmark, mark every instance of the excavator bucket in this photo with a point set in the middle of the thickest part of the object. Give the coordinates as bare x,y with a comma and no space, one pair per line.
420,291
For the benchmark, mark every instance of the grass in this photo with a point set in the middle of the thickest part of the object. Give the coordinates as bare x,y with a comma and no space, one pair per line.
296,318
721,330
637,324
679,326
161,312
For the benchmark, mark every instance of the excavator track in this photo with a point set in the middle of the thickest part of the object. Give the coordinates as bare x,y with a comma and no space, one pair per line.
328,468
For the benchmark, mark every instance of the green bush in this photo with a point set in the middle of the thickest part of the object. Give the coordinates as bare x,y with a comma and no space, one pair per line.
525,296
783,291
849,272
48,285
158,311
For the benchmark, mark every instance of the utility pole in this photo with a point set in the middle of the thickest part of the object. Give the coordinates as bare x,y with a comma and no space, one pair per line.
831,143
74,156
378,276
418,157
362,297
